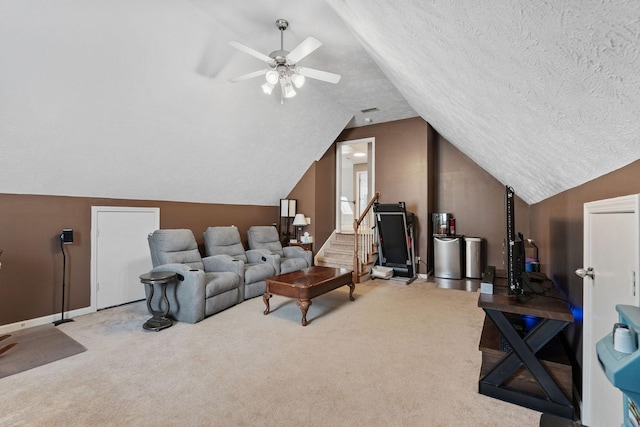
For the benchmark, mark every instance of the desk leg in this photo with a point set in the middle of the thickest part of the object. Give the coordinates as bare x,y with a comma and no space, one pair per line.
524,354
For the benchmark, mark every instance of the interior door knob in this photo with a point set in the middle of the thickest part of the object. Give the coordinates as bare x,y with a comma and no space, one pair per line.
582,273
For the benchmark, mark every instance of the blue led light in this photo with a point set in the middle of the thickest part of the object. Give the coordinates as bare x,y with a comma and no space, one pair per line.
577,314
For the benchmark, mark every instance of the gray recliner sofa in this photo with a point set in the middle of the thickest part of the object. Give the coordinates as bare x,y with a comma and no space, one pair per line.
292,258
258,264
205,286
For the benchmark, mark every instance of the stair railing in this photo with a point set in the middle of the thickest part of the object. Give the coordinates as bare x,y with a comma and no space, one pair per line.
363,240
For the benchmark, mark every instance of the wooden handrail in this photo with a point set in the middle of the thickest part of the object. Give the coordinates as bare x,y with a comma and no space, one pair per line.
356,225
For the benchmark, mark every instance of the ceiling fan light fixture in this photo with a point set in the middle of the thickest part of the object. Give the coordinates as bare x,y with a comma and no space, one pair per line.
283,67
289,91
272,77
287,88
298,80
267,88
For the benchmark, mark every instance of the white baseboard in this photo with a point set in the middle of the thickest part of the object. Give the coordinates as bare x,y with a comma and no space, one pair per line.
11,327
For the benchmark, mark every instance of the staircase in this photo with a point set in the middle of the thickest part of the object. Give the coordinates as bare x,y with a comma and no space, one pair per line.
338,252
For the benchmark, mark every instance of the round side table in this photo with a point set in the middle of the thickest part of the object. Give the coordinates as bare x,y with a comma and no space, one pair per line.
159,320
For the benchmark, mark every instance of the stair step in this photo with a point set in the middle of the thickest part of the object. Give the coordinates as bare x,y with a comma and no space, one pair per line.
339,252
345,245
347,255
344,238
334,262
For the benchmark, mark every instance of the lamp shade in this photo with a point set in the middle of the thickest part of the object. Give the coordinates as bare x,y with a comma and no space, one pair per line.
272,76
267,88
299,220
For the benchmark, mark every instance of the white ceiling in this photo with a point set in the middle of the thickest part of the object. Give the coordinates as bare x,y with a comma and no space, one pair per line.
131,99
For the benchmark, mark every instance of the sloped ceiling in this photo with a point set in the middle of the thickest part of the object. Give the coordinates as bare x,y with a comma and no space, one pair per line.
131,99
543,95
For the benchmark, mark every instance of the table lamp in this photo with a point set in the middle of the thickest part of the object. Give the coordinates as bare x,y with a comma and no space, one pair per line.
299,221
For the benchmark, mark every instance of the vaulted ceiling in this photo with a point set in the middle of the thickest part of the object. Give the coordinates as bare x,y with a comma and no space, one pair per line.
132,99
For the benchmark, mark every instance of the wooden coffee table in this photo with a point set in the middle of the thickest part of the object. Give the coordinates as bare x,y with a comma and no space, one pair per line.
306,284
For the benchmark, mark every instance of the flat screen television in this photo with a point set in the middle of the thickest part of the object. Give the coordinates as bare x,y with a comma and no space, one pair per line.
515,247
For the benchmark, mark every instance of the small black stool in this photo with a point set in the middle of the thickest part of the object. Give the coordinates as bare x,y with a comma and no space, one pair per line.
159,320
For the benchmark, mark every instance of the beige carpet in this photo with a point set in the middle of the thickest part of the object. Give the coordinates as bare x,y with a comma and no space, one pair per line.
36,347
397,356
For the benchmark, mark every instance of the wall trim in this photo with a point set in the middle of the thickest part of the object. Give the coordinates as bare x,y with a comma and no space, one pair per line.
44,320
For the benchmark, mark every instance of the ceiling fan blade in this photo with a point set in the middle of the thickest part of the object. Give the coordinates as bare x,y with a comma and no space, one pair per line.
248,76
303,49
251,51
319,75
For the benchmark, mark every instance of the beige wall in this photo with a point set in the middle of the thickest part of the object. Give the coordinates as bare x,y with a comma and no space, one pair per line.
413,164
476,199
417,166
30,228
402,169
557,226
315,195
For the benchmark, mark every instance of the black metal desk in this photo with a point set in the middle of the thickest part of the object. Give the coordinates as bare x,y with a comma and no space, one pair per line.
496,381
159,320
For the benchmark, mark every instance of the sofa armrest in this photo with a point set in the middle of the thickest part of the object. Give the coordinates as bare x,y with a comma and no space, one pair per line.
219,263
187,295
259,256
298,252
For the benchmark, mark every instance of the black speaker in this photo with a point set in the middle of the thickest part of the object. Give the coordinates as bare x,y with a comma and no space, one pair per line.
67,236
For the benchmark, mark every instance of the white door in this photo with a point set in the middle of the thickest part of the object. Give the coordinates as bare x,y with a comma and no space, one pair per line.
120,253
611,249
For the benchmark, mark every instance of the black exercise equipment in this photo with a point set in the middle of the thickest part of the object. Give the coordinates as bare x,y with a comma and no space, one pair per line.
395,237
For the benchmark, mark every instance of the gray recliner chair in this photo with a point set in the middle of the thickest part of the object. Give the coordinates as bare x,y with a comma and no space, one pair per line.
259,265
292,258
205,286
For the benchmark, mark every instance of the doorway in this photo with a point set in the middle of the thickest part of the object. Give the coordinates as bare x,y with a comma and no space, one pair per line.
120,253
355,180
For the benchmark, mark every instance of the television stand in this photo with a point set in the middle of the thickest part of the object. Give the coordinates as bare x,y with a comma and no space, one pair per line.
530,368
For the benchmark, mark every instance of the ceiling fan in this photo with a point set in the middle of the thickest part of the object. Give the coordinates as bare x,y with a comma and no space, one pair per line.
283,65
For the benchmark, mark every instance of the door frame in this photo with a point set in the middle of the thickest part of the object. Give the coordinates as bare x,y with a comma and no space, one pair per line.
624,204
371,149
95,210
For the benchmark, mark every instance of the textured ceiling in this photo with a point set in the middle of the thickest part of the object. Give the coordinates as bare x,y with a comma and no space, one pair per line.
544,95
131,99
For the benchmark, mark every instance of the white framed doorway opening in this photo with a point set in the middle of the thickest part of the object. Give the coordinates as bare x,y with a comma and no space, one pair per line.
355,180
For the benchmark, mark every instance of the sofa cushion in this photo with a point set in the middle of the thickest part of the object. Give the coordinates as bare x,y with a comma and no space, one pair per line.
217,283
288,265
265,237
224,241
258,272
175,246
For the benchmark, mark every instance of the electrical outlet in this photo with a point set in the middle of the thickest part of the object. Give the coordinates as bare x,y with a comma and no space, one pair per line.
417,259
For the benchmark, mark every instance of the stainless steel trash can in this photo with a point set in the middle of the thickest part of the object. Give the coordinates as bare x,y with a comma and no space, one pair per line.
473,258
447,257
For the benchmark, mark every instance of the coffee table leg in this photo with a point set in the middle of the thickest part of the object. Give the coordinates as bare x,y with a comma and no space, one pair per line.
352,288
304,307
265,298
